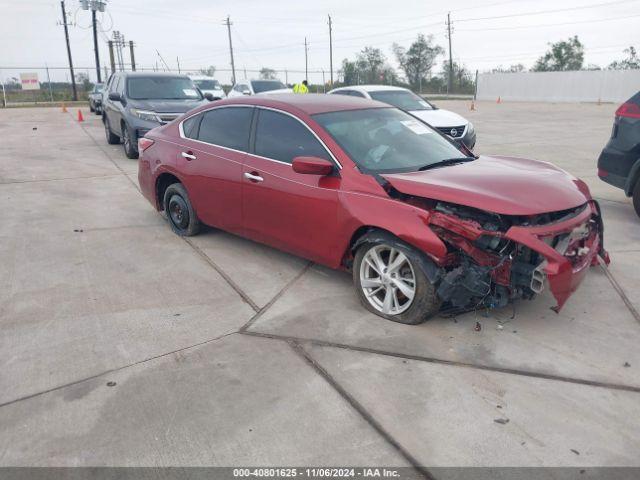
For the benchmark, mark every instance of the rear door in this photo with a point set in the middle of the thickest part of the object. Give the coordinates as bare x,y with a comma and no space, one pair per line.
214,147
282,208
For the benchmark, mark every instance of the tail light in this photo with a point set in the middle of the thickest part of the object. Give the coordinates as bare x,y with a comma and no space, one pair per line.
629,110
144,143
602,173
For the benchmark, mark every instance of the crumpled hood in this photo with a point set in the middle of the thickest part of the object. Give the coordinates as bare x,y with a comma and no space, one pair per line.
166,106
505,185
440,118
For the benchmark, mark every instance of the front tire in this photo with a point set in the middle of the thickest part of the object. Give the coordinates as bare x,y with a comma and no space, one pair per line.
128,143
636,197
390,282
180,212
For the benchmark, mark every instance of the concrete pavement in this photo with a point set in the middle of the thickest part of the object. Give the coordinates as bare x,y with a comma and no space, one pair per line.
221,351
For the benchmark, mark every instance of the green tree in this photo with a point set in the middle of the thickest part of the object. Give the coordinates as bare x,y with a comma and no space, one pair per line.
371,64
563,55
268,73
349,72
418,60
518,67
462,78
210,71
632,60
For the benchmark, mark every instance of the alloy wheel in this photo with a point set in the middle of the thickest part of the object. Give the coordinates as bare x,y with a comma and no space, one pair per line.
387,279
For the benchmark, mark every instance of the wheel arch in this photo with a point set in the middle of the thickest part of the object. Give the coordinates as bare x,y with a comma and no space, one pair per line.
632,179
162,183
369,234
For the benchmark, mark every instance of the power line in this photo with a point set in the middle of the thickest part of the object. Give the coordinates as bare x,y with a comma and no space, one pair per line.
541,12
625,17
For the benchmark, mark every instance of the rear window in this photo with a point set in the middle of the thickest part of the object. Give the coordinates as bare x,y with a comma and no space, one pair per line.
228,127
162,88
260,86
402,99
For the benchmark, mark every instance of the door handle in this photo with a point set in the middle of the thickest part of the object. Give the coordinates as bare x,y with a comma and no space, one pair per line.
188,156
253,178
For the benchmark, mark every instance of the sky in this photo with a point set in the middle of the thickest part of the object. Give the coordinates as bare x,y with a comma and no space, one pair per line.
486,33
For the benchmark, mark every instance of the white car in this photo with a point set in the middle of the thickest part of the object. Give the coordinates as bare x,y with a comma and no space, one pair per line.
255,87
208,85
449,123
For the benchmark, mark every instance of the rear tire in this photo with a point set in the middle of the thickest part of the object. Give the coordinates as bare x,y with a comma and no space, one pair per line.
179,211
406,278
91,109
111,138
636,197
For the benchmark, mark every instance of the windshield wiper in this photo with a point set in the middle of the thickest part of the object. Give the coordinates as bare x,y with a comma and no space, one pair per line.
447,161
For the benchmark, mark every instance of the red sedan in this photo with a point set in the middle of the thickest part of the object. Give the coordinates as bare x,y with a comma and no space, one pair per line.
356,184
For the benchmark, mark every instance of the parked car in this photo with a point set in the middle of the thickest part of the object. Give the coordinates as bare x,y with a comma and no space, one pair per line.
619,162
136,102
95,98
356,184
254,87
447,122
208,85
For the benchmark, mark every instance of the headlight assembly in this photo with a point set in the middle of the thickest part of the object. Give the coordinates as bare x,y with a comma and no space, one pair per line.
144,115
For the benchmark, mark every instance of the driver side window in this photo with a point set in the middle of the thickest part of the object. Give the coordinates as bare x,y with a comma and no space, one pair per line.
281,137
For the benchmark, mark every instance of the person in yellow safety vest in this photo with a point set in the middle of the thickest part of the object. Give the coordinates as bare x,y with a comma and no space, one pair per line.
301,87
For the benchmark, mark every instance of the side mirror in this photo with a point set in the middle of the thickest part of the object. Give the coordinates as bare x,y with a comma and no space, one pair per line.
115,96
209,96
312,166
246,92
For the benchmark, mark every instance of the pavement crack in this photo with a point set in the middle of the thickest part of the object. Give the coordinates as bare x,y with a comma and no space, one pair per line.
261,311
453,363
243,295
117,369
358,407
618,288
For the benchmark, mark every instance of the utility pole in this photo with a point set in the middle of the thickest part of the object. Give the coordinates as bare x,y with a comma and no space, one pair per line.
178,61
49,83
96,6
330,53
233,65
111,57
306,63
450,82
66,36
133,56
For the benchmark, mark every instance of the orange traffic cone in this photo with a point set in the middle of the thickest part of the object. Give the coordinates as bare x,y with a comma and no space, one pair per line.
80,117
473,106
64,108
499,100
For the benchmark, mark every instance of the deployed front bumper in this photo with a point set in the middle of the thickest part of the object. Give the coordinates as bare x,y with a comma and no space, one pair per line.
565,264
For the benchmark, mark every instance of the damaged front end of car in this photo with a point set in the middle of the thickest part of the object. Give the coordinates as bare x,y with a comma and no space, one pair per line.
494,259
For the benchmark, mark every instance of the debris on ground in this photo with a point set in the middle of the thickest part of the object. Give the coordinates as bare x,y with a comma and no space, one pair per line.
501,421
111,384
478,327
575,451
500,327
78,230
627,364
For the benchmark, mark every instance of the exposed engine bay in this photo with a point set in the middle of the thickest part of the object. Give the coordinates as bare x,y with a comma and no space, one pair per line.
494,259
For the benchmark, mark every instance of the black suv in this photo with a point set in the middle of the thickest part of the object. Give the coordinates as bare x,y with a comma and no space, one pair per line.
136,102
619,162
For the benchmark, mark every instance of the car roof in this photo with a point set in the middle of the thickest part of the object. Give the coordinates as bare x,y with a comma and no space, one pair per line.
370,88
310,103
153,74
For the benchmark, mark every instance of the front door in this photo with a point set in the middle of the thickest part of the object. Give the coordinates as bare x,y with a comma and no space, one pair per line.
280,207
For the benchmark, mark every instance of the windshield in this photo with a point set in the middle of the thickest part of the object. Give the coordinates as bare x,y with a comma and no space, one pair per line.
97,88
260,86
385,140
207,84
403,99
166,88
